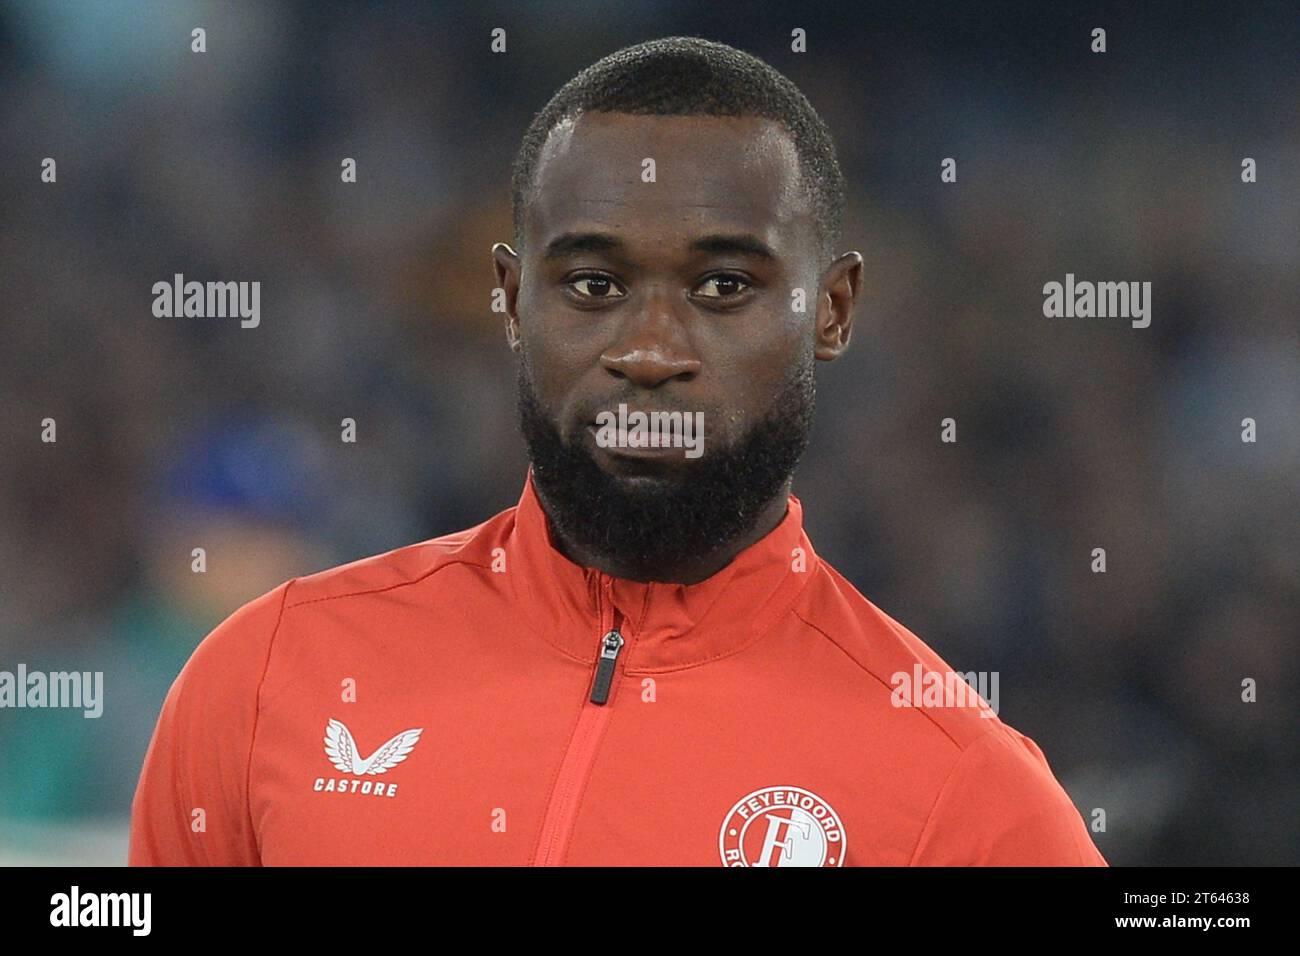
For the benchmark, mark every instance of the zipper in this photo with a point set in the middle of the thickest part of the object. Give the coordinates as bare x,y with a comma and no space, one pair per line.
581,753
610,645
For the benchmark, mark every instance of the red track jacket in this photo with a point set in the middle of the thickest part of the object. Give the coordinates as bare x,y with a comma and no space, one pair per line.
478,699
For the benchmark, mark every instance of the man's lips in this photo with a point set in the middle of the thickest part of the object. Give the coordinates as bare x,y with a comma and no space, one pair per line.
622,449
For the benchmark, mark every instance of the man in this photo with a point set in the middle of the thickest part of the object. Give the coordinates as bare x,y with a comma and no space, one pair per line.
645,662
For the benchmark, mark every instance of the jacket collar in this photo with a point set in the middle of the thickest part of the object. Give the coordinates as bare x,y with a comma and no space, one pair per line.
666,626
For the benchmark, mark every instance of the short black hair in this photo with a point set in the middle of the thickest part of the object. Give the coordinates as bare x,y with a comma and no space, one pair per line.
689,76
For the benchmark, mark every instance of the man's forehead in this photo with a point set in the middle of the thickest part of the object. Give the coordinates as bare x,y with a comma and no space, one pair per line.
710,172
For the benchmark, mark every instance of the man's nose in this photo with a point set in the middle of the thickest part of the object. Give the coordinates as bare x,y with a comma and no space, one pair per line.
652,346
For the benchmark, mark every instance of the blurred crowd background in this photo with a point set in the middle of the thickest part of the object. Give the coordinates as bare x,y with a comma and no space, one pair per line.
1072,434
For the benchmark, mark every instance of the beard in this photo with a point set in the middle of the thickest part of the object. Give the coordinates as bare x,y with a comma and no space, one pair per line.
651,527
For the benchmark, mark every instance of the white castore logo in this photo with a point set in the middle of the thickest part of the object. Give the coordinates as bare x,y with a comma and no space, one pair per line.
342,751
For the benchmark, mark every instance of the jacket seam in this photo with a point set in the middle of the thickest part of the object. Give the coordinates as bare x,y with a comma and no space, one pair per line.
257,714
375,590
943,789
425,575
390,587
866,670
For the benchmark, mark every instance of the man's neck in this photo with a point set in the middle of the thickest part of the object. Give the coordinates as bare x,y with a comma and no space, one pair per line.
689,571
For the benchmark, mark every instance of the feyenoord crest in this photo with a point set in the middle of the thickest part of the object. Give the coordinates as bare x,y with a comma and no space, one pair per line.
782,826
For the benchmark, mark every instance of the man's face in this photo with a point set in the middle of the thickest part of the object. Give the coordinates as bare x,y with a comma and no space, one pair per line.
671,295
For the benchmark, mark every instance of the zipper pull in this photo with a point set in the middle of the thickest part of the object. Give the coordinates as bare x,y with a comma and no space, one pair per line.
610,645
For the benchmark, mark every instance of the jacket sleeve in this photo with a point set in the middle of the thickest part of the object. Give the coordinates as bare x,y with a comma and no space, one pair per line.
1001,806
191,804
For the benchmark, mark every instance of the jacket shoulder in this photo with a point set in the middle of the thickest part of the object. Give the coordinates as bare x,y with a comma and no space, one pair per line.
897,662
409,564
1000,803
237,652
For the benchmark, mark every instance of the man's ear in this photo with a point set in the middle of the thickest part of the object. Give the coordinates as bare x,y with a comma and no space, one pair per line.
506,263
840,285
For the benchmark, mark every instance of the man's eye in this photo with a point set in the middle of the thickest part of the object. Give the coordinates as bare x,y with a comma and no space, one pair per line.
722,287
596,287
